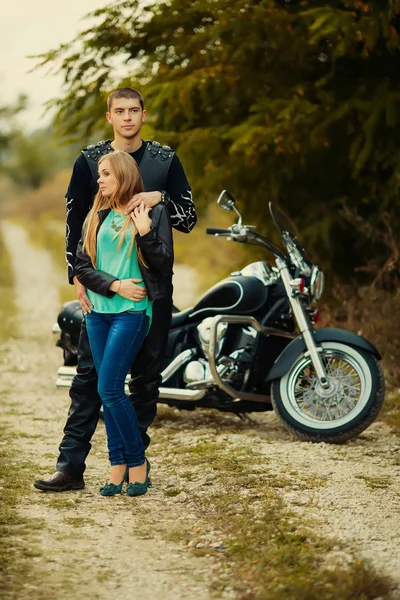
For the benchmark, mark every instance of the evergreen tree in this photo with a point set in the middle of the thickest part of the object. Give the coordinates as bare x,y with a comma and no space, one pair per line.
7,125
291,101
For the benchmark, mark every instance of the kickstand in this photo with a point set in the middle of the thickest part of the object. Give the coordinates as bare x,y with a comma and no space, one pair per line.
245,417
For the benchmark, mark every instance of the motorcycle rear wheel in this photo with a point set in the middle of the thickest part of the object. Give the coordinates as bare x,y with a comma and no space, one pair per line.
353,402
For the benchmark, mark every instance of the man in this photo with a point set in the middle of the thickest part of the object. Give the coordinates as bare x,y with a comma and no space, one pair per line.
164,181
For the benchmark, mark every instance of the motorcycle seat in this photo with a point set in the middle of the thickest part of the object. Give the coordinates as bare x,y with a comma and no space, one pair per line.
180,318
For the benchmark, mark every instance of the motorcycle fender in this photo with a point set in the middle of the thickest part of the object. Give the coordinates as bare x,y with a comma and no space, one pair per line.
298,346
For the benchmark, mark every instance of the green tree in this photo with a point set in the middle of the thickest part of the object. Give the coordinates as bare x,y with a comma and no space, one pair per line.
7,124
291,101
35,158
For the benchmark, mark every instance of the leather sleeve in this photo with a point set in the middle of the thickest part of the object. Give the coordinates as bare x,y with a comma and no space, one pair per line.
183,212
157,244
93,279
78,201
181,206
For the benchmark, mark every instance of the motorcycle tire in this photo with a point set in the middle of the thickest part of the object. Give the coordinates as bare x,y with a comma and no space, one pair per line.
340,414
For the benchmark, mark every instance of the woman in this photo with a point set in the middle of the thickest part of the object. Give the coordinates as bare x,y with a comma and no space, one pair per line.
118,253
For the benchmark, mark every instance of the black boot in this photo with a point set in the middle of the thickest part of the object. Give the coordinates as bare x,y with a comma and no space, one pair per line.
60,482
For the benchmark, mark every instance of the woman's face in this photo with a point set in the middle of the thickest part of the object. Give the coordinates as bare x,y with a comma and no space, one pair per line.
107,181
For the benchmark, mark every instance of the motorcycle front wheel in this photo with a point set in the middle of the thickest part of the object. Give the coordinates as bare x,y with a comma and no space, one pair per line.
352,402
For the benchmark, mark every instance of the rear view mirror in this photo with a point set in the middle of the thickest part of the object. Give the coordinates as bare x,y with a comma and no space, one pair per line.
226,200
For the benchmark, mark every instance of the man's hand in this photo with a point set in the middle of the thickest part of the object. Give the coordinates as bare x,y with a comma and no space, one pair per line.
84,301
131,291
149,199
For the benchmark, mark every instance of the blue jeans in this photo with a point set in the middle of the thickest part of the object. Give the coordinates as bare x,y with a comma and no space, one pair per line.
115,339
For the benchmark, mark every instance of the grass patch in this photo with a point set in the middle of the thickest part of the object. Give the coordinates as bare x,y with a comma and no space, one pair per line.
172,492
77,522
8,309
18,536
175,534
15,553
23,435
275,556
265,550
376,483
63,501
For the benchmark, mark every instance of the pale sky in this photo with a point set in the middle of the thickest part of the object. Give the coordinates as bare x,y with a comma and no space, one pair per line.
32,27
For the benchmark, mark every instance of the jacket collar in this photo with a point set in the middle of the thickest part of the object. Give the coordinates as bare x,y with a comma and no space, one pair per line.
103,214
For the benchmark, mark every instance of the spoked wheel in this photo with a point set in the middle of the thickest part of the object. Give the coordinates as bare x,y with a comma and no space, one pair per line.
339,413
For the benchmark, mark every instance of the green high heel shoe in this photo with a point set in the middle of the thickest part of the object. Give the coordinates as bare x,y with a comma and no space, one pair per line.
138,489
112,489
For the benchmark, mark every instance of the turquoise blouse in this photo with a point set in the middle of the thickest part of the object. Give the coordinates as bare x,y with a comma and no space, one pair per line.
118,263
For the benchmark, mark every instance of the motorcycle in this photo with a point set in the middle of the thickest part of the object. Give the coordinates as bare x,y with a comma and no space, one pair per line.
249,345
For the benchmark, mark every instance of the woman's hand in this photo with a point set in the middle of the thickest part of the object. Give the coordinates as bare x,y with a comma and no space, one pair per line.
140,216
129,289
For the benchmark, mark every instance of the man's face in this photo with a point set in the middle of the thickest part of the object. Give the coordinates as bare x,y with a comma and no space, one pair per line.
126,117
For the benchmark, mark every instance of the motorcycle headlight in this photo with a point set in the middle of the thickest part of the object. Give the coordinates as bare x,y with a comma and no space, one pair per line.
317,283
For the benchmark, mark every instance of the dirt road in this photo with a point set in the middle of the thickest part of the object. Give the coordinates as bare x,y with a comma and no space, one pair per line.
87,545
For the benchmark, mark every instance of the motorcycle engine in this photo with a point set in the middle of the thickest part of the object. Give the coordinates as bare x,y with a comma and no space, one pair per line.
204,335
233,367
198,371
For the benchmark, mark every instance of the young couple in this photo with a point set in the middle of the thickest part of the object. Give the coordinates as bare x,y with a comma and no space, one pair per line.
121,266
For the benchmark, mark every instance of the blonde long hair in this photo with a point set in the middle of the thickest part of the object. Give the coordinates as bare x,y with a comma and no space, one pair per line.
129,183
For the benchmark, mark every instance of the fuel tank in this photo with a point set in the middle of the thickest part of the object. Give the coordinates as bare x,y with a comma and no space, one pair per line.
237,295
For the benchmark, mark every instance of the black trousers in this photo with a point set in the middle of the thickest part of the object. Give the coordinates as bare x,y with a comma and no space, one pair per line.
83,414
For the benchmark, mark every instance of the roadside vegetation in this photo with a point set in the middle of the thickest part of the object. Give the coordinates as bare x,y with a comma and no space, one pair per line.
19,547
16,553
8,310
265,550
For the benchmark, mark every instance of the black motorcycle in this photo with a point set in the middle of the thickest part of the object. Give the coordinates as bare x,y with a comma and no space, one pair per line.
249,344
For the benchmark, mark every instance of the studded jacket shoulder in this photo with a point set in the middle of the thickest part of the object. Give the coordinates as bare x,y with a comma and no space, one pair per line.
164,172
154,164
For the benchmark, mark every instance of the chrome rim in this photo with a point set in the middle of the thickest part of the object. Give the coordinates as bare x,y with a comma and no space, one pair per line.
349,390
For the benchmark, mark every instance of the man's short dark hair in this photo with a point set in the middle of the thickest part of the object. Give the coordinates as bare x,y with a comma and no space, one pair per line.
124,92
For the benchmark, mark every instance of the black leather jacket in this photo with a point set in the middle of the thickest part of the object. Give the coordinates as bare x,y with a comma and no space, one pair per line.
157,249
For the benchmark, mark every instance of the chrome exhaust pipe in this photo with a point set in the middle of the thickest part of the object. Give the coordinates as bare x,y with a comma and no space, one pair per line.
178,394
66,375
